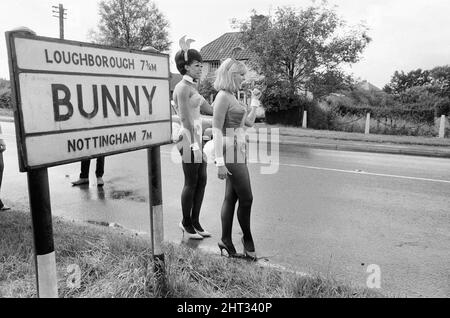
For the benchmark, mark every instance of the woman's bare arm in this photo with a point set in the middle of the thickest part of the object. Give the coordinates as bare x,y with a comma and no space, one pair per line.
206,108
251,117
221,105
185,113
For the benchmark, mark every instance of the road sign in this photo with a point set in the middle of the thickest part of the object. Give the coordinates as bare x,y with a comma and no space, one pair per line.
77,100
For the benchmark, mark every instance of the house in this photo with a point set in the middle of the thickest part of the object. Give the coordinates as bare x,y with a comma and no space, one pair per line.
225,46
367,86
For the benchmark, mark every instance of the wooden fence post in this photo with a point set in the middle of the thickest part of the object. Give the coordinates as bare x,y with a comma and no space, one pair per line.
442,127
304,123
367,130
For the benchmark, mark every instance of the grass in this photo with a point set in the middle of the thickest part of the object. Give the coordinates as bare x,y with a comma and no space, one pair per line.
117,263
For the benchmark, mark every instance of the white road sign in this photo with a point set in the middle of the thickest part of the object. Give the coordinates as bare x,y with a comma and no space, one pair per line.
78,100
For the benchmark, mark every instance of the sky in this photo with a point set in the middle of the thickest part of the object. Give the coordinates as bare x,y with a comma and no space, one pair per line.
406,34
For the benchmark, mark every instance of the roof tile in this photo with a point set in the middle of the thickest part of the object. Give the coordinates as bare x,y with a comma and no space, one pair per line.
222,47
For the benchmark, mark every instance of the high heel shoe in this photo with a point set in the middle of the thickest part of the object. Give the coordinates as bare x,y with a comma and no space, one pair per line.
194,236
230,249
202,232
251,255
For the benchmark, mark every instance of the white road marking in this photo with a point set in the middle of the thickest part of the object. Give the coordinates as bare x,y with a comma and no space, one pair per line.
366,173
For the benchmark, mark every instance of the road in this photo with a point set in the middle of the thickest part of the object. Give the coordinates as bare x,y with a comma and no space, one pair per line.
323,211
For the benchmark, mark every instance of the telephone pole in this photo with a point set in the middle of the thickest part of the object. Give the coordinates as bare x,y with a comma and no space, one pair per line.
61,14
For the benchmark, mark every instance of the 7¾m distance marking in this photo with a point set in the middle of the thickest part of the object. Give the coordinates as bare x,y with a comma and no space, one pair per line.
146,65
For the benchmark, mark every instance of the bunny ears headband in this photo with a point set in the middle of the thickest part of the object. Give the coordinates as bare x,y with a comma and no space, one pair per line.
233,60
184,45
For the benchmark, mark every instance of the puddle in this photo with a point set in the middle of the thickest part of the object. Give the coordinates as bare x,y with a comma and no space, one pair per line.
127,195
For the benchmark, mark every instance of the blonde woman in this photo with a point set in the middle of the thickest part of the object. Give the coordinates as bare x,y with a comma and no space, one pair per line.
229,119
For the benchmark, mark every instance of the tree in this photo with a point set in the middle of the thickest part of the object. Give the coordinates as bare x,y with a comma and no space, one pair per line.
441,80
299,50
5,94
131,24
331,81
400,81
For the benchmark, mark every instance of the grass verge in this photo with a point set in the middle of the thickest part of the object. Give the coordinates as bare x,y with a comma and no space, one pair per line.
356,136
118,263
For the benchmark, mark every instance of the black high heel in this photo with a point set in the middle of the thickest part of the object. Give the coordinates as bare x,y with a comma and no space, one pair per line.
230,249
247,254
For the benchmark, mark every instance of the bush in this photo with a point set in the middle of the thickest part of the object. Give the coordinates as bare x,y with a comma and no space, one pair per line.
5,100
206,89
412,110
442,107
320,117
5,94
289,112
290,117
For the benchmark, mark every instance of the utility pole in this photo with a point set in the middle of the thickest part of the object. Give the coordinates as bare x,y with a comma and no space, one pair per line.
61,14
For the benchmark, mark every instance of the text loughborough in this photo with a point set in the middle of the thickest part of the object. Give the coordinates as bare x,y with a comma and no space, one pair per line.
87,59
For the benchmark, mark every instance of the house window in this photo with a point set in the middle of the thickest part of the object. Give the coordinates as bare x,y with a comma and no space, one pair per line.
214,65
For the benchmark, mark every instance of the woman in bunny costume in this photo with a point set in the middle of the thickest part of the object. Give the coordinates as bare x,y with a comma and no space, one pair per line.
230,118
189,103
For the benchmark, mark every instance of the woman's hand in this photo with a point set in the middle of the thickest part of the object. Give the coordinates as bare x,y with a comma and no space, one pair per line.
223,172
256,93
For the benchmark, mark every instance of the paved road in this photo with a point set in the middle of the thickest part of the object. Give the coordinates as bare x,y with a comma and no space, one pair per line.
331,212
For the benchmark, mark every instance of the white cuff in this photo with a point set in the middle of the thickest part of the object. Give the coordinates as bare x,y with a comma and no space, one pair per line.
255,102
220,162
195,146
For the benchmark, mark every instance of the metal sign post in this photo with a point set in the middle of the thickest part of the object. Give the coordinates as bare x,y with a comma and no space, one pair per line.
156,209
156,215
41,216
40,207
74,101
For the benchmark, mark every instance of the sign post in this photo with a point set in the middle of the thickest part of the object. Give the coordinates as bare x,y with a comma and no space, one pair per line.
74,101
41,216
156,209
156,215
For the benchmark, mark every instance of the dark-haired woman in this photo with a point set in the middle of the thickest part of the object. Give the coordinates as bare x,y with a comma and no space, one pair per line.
189,103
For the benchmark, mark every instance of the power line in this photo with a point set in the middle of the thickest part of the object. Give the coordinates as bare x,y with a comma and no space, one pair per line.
61,14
